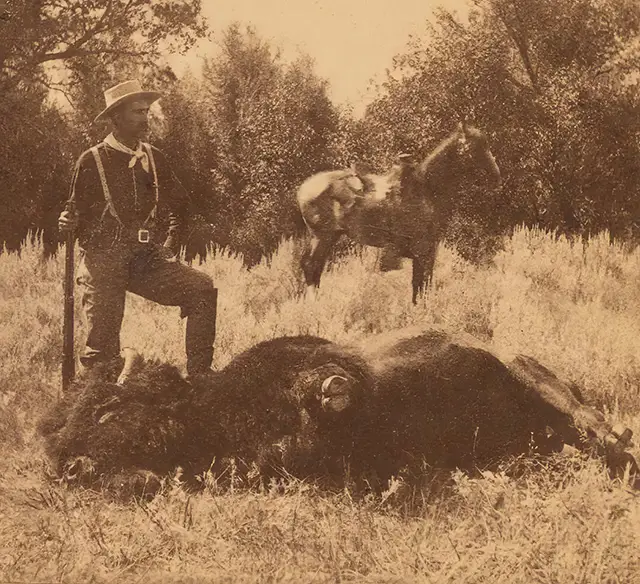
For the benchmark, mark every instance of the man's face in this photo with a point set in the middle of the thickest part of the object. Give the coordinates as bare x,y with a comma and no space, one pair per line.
132,119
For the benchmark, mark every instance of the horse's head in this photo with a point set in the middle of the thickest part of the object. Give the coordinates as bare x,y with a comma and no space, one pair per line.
473,144
461,155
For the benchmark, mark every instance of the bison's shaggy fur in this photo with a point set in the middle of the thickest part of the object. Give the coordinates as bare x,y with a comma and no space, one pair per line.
431,400
406,400
253,410
101,432
257,408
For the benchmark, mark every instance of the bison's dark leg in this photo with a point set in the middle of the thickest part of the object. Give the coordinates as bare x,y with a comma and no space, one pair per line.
558,401
577,424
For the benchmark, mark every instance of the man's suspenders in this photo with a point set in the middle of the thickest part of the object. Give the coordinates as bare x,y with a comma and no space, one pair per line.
105,188
109,200
152,163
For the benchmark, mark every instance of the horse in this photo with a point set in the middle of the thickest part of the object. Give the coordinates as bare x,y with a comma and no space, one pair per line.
404,211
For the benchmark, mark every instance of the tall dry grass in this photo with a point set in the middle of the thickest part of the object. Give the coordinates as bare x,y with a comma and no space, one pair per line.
575,307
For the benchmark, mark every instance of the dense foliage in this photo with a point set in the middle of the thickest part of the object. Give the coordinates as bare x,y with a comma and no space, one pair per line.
553,82
249,131
71,49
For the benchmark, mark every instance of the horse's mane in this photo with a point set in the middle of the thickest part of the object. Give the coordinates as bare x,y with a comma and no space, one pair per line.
439,152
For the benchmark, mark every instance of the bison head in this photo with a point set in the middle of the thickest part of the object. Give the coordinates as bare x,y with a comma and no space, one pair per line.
334,385
328,391
117,421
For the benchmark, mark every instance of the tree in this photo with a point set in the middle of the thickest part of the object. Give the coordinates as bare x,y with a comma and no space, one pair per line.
543,78
258,127
37,32
34,167
76,47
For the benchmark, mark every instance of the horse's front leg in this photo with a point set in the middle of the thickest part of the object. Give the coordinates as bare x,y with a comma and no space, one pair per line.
423,265
417,280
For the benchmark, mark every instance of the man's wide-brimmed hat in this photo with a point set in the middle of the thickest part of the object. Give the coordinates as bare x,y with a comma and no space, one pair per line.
124,91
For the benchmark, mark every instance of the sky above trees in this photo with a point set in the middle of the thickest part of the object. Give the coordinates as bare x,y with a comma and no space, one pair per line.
351,41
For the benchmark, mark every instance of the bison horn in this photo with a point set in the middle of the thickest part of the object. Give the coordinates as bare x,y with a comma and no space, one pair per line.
129,355
335,400
329,380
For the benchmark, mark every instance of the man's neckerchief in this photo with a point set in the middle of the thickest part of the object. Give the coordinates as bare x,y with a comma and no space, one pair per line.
137,154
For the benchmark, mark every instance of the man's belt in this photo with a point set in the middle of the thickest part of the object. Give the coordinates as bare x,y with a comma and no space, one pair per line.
136,235
143,236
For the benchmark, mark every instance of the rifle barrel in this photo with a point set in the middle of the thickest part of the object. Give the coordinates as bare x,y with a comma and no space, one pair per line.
68,357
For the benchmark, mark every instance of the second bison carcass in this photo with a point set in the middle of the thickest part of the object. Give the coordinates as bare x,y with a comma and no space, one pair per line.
118,434
432,399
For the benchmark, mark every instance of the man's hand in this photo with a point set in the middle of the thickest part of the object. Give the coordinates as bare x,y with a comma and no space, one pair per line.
68,221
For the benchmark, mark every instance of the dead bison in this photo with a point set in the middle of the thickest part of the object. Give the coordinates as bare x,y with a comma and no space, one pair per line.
124,433
120,436
427,398
309,407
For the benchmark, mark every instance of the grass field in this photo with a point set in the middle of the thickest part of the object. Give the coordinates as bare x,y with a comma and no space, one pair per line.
575,307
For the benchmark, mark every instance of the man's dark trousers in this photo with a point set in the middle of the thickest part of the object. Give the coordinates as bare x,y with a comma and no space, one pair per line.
150,271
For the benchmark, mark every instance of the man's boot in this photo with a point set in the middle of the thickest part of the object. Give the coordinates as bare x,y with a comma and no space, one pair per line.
201,334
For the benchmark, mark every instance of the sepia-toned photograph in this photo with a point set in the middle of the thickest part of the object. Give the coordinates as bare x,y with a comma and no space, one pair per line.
319,291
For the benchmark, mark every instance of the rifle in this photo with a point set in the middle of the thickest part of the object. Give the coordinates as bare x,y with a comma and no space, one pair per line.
68,357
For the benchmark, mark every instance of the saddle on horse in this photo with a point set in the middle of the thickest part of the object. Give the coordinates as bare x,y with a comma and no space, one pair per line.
359,189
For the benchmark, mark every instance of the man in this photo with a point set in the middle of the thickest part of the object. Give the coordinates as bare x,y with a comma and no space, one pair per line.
126,206
401,169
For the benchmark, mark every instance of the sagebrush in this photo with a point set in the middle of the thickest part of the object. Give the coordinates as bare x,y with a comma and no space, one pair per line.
573,306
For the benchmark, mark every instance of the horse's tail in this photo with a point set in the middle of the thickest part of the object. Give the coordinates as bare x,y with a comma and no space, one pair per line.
308,195
299,222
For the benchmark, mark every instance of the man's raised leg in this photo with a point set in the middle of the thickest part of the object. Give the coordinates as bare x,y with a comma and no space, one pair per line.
171,283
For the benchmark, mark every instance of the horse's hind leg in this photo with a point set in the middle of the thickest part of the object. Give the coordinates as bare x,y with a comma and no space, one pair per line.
315,258
307,262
